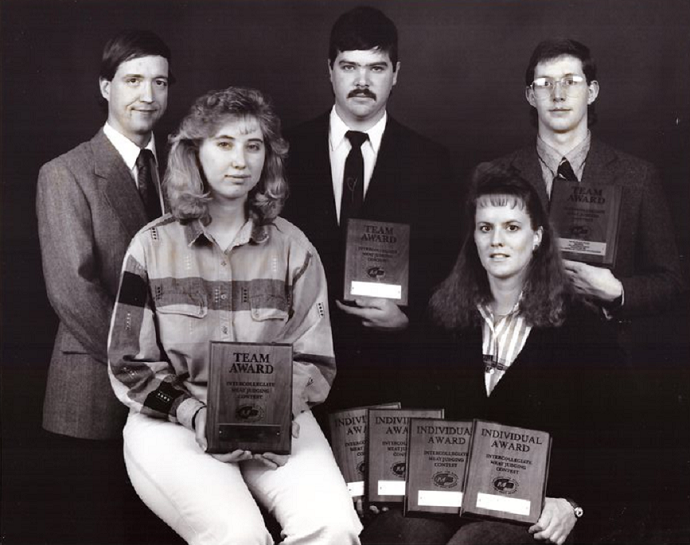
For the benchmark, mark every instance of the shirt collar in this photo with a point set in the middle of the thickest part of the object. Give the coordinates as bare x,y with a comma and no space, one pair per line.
250,232
488,315
338,128
576,156
125,147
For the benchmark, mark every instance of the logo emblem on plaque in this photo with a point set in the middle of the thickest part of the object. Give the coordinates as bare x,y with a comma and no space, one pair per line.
361,467
376,272
398,469
249,413
445,479
504,485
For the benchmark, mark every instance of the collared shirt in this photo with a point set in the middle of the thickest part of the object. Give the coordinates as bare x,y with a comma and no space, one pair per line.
503,338
339,148
129,152
549,159
179,291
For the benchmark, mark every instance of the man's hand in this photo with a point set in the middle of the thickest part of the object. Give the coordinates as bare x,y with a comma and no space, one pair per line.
556,521
200,435
595,282
377,313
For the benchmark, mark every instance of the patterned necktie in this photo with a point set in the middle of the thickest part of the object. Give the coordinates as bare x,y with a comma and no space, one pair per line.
147,187
565,171
353,177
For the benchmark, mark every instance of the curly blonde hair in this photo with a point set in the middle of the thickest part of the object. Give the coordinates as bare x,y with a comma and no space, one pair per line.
184,180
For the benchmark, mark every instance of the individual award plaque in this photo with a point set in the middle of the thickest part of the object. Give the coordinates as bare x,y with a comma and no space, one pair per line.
249,398
348,438
436,457
386,450
506,473
377,260
586,218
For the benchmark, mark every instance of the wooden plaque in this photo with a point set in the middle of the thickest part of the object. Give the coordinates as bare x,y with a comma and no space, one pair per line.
249,398
506,474
586,218
377,260
436,458
348,439
387,452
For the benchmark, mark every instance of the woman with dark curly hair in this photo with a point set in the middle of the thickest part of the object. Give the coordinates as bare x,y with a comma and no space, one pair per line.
513,345
224,267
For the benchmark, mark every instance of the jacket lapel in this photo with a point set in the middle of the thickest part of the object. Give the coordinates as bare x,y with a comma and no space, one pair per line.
117,185
598,166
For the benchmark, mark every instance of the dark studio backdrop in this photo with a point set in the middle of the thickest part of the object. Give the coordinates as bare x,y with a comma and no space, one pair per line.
461,83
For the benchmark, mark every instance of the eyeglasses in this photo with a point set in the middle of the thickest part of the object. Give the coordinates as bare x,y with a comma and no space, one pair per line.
570,85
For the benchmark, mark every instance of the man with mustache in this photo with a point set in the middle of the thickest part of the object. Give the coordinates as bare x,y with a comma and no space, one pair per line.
406,178
90,202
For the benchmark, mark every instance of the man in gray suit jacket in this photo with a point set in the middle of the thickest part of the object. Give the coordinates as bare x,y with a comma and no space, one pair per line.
90,203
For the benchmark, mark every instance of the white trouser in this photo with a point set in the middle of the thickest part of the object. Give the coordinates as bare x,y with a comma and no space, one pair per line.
211,502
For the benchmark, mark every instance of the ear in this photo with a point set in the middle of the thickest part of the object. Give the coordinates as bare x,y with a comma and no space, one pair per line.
592,91
104,86
537,237
396,72
330,70
529,95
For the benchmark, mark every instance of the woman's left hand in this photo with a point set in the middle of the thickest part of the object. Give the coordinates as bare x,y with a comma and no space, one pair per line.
556,521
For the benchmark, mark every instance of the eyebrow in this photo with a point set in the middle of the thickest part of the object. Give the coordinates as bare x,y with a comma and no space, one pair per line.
228,137
377,63
135,75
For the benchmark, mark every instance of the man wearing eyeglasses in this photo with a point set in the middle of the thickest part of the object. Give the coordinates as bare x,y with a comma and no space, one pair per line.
562,88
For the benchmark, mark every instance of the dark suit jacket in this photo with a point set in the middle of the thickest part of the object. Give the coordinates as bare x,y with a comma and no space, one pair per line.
570,381
88,210
411,183
647,261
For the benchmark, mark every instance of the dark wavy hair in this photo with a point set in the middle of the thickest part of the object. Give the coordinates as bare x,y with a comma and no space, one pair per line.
553,48
364,28
453,305
185,182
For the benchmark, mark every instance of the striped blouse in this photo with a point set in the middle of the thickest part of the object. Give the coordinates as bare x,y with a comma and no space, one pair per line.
179,290
502,341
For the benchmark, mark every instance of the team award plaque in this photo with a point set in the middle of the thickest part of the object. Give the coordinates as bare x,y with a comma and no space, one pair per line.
348,438
377,260
249,398
436,457
586,219
386,450
506,473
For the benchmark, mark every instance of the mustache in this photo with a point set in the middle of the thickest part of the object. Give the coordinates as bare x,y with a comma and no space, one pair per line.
361,93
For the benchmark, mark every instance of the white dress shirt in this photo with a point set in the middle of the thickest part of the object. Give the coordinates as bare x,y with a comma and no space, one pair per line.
339,147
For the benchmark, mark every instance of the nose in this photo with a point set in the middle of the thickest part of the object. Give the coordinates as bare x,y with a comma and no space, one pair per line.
237,160
558,93
147,92
496,237
362,77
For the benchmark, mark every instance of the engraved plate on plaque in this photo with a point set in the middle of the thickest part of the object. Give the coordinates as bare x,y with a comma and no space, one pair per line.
436,456
377,260
249,398
506,473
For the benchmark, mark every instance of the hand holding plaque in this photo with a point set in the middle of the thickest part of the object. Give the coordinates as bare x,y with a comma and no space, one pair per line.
249,398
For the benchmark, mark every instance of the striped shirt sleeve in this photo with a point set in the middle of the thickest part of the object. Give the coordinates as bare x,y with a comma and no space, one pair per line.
140,373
